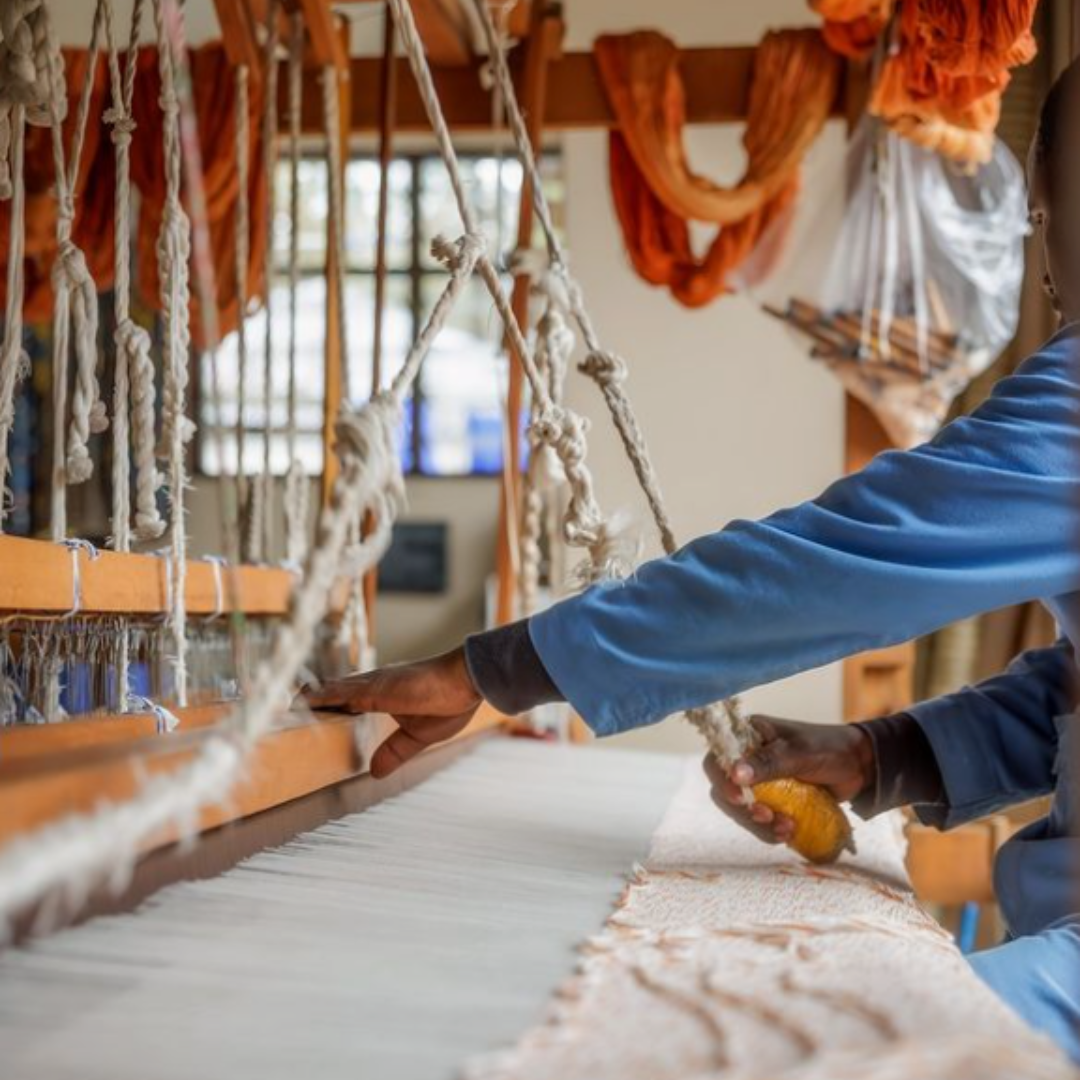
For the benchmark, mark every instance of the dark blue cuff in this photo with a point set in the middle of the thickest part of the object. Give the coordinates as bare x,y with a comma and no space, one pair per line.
507,670
906,770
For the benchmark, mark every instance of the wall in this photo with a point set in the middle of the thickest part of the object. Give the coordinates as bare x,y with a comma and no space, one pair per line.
738,420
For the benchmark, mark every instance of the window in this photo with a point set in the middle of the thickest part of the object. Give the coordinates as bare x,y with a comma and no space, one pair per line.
454,420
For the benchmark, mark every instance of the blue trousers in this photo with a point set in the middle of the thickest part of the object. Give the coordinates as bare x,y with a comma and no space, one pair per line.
1039,977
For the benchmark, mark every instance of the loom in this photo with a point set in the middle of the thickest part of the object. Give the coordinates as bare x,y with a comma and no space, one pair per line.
270,907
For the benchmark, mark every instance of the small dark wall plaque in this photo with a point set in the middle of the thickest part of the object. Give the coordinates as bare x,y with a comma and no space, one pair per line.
417,559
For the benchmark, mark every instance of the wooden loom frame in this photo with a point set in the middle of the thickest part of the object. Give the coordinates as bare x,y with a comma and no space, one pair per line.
47,772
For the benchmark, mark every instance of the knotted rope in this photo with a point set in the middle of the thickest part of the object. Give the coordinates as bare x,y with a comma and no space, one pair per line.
174,254
545,480
26,88
75,311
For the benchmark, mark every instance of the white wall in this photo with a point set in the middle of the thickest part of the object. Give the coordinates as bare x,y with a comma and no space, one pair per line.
738,420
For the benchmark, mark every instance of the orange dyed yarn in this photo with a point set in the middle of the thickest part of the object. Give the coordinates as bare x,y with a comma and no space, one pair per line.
942,86
852,27
795,82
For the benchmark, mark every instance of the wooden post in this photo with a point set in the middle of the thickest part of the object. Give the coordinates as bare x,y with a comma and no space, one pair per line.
538,49
387,106
335,358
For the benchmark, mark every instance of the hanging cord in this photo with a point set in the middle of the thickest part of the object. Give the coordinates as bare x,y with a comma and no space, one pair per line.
585,525
545,482
242,250
174,254
262,489
14,361
728,735
75,309
297,487
134,391
27,86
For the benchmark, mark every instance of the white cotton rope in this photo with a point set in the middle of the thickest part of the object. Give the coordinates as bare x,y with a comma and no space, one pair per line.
725,729
75,305
26,88
242,244
76,547
297,488
174,255
217,563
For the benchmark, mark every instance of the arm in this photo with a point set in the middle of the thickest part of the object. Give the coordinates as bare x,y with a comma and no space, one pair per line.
985,515
995,743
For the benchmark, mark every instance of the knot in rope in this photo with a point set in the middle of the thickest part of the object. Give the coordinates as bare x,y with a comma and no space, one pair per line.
70,270
605,367
133,343
31,66
7,188
461,255
122,123
368,435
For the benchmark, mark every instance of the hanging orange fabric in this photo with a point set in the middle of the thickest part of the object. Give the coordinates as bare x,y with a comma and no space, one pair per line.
656,194
941,85
852,27
213,79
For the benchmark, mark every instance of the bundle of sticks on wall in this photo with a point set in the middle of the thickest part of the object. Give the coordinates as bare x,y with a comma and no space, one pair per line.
891,349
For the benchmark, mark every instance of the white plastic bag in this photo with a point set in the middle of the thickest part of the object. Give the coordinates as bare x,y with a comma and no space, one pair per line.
920,288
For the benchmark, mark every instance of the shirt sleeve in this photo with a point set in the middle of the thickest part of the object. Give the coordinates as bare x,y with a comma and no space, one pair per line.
987,514
996,743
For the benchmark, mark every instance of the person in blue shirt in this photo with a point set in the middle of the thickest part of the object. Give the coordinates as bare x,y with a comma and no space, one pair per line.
985,515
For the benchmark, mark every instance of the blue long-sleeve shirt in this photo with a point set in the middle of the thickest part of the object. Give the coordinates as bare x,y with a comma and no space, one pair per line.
985,515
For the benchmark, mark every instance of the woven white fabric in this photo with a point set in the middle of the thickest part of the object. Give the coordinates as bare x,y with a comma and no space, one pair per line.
389,945
727,958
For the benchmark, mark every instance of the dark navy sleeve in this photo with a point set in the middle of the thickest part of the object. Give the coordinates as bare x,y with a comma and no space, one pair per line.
507,670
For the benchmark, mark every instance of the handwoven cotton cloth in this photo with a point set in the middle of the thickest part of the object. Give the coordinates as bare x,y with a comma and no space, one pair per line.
728,958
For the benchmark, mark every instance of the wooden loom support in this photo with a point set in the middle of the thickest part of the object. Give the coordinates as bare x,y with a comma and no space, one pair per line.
543,42
50,771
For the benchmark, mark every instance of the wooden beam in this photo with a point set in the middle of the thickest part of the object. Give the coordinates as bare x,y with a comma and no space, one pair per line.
238,35
40,789
445,30
329,42
717,81
37,578
518,18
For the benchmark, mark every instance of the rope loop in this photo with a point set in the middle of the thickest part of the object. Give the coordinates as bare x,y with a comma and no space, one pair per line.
604,367
459,256
92,553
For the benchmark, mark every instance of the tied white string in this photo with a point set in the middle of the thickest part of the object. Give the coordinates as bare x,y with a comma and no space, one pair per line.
166,721
92,554
216,563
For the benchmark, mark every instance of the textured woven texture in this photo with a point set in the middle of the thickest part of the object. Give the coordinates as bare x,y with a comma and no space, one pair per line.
726,958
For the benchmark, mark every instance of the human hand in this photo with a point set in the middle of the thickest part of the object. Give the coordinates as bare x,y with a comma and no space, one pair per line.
431,700
837,757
